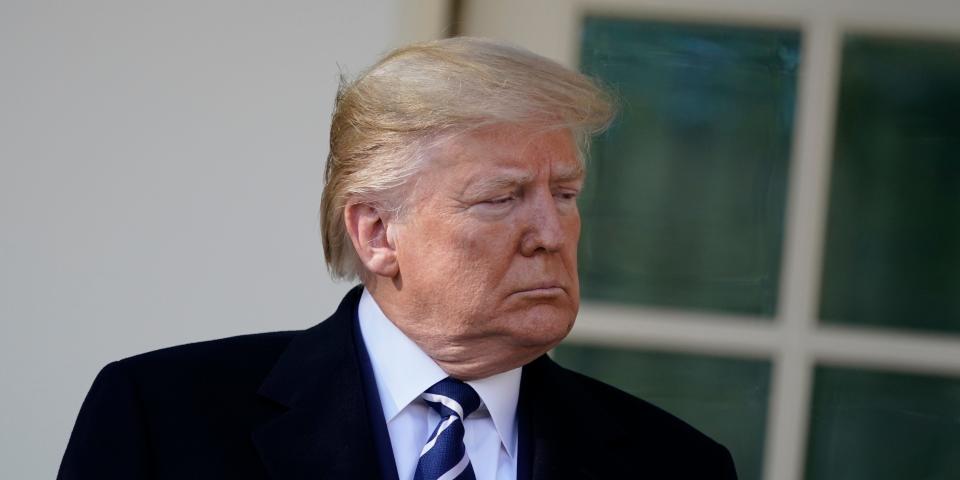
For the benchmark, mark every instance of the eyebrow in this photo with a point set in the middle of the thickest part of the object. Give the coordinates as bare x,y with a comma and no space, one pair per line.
499,182
568,174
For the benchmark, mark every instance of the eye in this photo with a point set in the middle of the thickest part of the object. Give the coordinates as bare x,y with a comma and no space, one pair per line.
499,200
567,195
497,205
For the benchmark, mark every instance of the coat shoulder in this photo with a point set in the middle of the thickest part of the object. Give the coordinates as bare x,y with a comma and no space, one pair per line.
210,369
163,408
632,409
229,353
636,425
198,372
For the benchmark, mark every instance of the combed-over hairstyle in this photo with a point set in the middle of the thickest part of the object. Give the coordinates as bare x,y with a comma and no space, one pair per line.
386,120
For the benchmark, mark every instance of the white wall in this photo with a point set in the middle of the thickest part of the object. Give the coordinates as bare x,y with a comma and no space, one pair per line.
160,173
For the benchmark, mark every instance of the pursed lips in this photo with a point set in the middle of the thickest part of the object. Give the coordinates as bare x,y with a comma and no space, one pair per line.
546,288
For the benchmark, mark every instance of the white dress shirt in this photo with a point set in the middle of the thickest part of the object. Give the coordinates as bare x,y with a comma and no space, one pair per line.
403,371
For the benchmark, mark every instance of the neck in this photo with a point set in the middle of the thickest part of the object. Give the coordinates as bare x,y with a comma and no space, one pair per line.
460,356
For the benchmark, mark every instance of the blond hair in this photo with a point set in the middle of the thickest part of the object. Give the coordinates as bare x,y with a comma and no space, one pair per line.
418,96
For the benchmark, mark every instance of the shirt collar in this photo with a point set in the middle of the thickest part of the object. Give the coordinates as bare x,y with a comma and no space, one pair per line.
403,371
499,394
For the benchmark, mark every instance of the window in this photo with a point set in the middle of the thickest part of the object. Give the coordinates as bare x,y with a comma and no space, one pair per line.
771,244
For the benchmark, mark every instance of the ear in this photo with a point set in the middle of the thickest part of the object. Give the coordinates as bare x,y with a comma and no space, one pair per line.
368,229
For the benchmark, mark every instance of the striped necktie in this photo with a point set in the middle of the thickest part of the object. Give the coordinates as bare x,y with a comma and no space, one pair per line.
444,457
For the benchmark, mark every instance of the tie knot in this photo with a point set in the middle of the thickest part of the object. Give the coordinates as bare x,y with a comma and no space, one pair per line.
452,397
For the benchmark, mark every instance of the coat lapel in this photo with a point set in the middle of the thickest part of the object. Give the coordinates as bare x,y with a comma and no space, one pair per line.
557,439
317,382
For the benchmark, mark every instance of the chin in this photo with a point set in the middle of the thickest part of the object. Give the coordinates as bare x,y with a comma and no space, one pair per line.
543,326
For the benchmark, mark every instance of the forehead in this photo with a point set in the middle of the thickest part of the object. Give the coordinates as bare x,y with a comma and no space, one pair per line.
511,147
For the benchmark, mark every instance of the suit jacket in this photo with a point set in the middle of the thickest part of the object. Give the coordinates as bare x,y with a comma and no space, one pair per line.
292,405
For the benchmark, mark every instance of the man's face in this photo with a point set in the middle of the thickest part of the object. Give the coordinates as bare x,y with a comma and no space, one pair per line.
487,252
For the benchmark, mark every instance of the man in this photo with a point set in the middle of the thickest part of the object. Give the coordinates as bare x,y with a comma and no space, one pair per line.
451,189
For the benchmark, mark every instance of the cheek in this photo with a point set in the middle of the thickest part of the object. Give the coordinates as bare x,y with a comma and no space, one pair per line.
487,244
486,263
572,230
458,260
575,223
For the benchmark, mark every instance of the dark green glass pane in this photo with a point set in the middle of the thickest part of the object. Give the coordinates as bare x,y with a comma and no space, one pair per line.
685,199
883,426
892,255
722,397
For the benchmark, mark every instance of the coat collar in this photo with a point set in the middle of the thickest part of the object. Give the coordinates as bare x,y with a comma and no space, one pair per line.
557,439
545,450
322,433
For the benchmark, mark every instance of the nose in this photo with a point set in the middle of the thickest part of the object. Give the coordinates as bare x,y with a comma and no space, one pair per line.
545,232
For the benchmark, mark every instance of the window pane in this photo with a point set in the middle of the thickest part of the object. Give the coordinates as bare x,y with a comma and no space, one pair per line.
878,426
724,398
892,255
685,197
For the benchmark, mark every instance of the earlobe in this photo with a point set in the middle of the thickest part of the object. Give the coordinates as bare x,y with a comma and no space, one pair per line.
369,230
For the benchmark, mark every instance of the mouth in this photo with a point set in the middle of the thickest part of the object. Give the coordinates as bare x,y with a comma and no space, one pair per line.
542,290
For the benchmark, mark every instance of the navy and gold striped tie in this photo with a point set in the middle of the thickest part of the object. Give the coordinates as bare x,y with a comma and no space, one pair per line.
444,457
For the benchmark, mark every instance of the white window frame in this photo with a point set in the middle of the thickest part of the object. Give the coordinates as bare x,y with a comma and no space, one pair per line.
794,342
